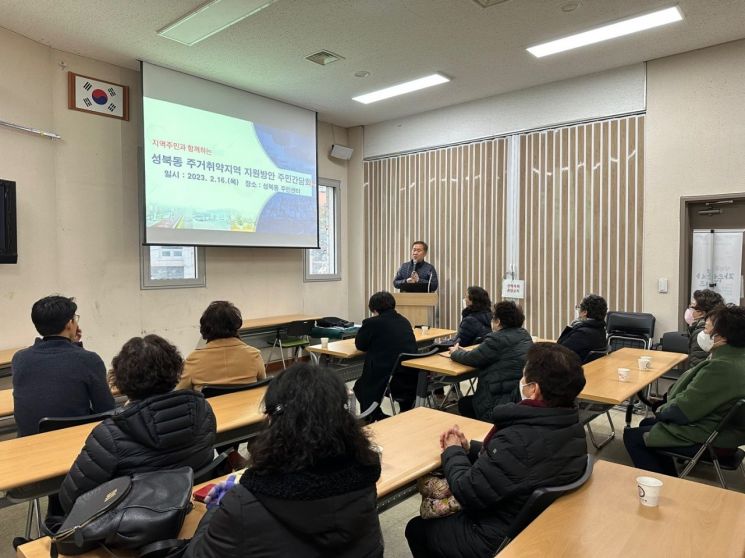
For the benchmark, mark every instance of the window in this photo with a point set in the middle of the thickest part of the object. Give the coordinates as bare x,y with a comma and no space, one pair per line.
172,266
324,263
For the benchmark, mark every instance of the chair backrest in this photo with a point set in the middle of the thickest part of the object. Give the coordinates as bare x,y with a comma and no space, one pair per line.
48,424
634,323
596,354
543,497
221,389
674,342
617,341
433,350
210,471
300,328
734,413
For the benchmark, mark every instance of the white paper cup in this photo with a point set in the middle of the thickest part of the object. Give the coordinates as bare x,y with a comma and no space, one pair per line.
425,329
324,342
644,364
649,491
623,374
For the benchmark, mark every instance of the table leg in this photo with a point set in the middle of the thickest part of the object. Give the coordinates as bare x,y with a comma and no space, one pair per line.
421,389
630,411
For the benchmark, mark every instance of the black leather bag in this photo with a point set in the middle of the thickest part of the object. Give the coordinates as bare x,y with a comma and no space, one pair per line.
127,512
333,321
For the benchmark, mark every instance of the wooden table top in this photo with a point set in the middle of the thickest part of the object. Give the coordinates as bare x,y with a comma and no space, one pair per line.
441,363
346,349
48,455
604,518
272,321
6,402
6,355
411,449
602,374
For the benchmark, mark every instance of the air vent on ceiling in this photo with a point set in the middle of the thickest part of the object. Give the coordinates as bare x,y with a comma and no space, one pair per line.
487,3
324,57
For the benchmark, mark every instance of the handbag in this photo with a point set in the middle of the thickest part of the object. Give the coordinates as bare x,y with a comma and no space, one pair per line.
127,512
437,499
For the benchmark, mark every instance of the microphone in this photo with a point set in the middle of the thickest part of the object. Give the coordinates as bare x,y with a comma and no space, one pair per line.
429,281
413,266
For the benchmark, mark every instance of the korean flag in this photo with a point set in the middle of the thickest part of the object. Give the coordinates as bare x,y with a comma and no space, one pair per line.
98,96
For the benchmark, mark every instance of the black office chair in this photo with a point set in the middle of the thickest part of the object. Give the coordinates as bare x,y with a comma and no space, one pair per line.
33,493
214,390
433,350
675,342
297,336
630,329
708,455
539,500
595,354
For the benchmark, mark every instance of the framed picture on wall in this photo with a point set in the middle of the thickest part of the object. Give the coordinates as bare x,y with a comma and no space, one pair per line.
95,96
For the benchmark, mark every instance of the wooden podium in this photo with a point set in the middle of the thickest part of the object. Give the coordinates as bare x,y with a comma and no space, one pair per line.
418,308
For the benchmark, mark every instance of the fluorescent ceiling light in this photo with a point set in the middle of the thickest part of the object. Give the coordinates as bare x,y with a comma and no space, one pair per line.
401,88
211,18
611,31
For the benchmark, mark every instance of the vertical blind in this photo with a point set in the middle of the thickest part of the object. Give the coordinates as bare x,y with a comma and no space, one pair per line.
579,220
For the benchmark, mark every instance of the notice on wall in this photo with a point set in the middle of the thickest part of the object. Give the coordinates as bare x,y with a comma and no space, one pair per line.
716,263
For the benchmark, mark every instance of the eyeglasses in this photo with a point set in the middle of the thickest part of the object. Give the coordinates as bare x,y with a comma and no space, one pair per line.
76,317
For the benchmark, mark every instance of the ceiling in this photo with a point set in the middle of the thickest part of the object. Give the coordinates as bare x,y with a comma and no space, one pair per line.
481,49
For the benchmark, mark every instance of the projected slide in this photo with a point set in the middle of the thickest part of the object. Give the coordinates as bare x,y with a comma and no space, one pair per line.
217,179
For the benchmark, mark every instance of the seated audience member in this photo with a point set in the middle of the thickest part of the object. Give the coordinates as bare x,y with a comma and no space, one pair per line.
699,400
703,301
500,359
476,317
587,333
310,486
537,442
56,376
158,428
383,337
225,359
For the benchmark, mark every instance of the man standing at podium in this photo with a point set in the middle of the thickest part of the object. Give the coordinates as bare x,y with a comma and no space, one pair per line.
416,275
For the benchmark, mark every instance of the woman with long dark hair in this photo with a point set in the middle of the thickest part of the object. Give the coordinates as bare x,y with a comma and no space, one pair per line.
310,486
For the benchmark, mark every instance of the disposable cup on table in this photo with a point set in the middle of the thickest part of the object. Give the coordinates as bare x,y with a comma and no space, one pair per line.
649,489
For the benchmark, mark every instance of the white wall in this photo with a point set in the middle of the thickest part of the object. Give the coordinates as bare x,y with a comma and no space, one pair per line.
695,146
614,92
78,218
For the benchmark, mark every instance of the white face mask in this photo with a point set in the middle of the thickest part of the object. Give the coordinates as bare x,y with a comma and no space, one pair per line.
522,394
705,341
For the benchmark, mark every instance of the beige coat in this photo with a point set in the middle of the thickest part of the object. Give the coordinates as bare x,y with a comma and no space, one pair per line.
222,361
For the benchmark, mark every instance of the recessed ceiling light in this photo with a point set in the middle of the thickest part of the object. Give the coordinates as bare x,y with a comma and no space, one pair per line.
210,18
611,31
401,88
324,57
362,74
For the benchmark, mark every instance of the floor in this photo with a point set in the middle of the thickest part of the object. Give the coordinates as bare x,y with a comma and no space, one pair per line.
393,520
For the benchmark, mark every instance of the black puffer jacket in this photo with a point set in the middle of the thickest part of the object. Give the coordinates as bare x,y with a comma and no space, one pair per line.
533,447
474,325
165,431
500,359
695,353
329,511
584,336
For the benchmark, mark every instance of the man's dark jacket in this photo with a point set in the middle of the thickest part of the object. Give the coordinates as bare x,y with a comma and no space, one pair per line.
57,378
